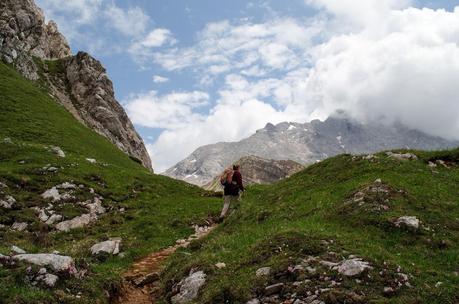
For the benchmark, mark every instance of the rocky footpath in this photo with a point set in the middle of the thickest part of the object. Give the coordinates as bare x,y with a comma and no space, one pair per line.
80,83
258,170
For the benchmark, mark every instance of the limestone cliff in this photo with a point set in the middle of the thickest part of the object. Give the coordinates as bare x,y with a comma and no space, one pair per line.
80,83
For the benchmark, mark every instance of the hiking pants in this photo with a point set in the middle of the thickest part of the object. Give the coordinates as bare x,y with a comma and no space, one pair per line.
229,199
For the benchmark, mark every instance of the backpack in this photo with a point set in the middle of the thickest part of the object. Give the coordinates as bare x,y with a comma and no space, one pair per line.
227,177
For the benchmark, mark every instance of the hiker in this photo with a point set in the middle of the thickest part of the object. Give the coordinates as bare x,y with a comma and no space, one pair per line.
233,188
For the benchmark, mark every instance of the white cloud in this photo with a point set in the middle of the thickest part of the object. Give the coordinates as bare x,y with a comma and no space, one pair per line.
169,111
224,47
132,22
144,48
380,60
160,79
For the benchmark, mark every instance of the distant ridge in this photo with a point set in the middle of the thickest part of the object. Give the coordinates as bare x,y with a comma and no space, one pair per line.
304,143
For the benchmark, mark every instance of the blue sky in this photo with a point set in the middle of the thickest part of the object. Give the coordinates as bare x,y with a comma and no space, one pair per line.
186,70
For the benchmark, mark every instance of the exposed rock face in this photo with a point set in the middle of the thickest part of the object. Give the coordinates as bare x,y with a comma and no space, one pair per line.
304,143
93,102
23,32
81,83
258,170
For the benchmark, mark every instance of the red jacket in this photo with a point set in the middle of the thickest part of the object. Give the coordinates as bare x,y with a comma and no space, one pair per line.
236,186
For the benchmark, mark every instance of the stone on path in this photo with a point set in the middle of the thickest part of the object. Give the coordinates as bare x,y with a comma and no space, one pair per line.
274,289
189,288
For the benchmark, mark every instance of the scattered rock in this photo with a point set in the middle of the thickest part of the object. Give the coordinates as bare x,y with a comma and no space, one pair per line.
189,288
253,301
432,165
388,291
17,250
220,265
56,262
52,193
58,151
96,207
402,156
77,222
441,163
264,271
55,218
111,246
66,186
19,226
148,279
274,289
91,160
353,267
3,185
408,221
49,279
43,216
8,202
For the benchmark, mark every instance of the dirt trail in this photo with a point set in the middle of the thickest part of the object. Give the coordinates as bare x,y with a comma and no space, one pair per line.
140,283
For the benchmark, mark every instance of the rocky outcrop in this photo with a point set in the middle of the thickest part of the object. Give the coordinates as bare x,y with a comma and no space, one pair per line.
304,143
92,100
258,170
80,83
24,33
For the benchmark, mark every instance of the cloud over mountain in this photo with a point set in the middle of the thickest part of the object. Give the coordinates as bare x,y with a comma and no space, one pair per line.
380,60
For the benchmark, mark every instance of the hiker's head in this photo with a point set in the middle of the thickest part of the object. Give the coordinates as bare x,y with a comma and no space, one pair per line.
236,167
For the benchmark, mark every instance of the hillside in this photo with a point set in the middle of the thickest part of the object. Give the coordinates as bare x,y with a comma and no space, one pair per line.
350,229
304,143
258,170
94,192
80,83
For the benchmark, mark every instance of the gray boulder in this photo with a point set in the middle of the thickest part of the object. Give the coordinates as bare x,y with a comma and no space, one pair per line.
264,271
17,250
8,202
58,151
54,218
111,246
411,222
19,226
77,222
189,288
353,267
56,262
52,194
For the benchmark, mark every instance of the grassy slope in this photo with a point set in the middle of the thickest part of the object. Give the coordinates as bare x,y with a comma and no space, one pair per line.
159,210
281,224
